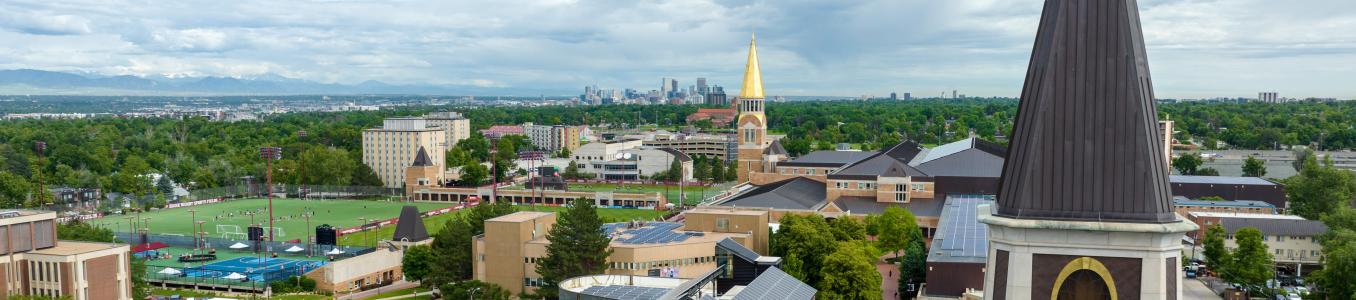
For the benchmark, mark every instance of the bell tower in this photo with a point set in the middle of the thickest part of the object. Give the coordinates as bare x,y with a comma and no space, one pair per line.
751,127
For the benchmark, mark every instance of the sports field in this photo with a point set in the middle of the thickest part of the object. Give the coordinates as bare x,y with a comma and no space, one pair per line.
694,193
235,216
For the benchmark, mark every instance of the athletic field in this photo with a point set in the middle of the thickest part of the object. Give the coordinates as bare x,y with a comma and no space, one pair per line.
231,218
694,193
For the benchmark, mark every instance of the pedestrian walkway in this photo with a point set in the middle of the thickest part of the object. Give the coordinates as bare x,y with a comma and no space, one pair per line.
394,286
889,274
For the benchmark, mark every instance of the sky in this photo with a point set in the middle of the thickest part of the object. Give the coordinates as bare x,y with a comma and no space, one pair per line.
1197,48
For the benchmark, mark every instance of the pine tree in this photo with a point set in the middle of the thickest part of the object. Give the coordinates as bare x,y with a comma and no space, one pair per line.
717,172
731,173
577,247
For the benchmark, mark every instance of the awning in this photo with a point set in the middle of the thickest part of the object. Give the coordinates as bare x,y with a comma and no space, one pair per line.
138,248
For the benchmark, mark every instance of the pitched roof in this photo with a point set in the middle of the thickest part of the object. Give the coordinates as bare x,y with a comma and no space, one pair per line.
421,158
795,193
776,284
881,164
738,250
971,157
1086,145
1270,226
1219,180
410,227
775,149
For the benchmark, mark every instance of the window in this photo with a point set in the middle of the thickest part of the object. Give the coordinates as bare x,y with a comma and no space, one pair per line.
918,187
722,224
1279,252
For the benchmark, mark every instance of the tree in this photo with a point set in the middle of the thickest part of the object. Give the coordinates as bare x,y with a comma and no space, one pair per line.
451,247
847,229
892,228
1250,264
327,166
701,170
473,289
1216,256
164,186
1339,256
1319,189
364,176
473,174
1207,171
913,266
1302,155
849,273
563,153
1253,167
416,262
13,190
577,247
717,171
1187,163
140,288
803,239
731,173
75,230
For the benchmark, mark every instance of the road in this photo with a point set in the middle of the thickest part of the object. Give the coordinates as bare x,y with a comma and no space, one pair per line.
1195,289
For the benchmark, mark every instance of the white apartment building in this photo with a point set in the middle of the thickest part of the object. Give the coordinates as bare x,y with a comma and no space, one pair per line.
458,127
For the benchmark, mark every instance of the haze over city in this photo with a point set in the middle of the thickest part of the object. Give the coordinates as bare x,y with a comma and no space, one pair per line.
1198,49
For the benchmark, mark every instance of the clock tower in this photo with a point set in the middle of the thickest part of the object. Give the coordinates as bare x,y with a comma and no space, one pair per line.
751,126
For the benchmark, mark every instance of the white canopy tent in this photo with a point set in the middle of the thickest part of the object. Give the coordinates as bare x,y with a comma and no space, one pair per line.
170,271
335,251
294,249
235,276
239,246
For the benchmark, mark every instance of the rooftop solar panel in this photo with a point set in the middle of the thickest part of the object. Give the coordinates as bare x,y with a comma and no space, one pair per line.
961,233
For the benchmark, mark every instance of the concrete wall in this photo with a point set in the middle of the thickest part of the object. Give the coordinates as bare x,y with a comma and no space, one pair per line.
736,221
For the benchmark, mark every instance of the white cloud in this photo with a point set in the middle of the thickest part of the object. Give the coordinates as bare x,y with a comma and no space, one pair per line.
1198,48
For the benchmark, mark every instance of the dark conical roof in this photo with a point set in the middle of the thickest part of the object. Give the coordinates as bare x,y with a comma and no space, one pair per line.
421,158
410,227
1086,144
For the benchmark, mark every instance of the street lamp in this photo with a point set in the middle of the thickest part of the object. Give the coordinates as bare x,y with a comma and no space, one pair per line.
269,154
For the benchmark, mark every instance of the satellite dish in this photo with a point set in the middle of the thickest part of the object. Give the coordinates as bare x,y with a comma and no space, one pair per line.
620,155
628,155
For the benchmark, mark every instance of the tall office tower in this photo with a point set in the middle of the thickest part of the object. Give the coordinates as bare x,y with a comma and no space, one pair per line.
701,85
390,149
1268,97
717,96
908,96
752,122
664,89
894,96
1084,208
954,95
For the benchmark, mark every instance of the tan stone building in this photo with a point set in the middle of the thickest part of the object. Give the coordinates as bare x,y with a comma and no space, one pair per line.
506,254
36,264
390,149
454,124
552,138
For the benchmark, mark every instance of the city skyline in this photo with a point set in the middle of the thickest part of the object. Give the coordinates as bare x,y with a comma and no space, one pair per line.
1199,49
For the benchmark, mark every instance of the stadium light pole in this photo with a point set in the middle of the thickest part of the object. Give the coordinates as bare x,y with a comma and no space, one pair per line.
193,220
362,225
269,154
301,164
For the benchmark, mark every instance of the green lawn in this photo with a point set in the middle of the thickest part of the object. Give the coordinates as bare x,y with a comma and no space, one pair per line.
403,292
694,193
286,212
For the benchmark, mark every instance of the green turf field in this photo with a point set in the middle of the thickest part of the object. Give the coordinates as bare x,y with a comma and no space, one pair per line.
286,213
436,223
694,193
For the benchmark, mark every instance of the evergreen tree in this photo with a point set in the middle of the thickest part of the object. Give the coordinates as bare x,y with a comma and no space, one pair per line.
913,266
164,186
701,170
717,172
474,289
577,247
849,273
731,173
1253,167
363,175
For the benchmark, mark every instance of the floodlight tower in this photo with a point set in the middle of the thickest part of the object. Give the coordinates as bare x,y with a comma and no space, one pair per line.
269,154
301,164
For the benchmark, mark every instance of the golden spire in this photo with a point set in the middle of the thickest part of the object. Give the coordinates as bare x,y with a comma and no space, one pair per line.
753,78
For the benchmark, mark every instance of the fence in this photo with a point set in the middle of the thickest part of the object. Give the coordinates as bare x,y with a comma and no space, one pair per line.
295,191
224,245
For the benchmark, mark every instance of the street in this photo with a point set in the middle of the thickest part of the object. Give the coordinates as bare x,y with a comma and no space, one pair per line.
1195,289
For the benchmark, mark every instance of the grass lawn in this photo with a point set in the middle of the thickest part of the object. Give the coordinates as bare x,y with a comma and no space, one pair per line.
286,212
403,292
436,223
694,193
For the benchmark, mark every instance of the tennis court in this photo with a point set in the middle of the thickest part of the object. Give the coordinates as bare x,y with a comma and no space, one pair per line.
253,268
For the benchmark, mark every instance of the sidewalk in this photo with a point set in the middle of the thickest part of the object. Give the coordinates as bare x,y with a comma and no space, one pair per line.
395,286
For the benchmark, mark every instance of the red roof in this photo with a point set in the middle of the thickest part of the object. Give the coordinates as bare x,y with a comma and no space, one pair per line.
147,247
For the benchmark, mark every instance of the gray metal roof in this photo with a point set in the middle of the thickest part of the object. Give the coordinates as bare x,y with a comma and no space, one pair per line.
878,165
1179,201
776,284
649,233
865,205
739,250
960,236
1269,226
795,193
1085,145
421,158
775,149
1219,180
828,158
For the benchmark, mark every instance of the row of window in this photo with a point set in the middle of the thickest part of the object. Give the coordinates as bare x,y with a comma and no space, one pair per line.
660,263
1292,253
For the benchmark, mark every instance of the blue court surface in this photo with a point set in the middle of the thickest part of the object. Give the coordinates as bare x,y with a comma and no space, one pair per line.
254,268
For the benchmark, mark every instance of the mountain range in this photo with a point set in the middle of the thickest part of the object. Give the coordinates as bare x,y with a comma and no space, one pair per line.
29,81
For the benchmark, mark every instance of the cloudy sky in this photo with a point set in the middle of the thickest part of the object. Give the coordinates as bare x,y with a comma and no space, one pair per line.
1197,48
